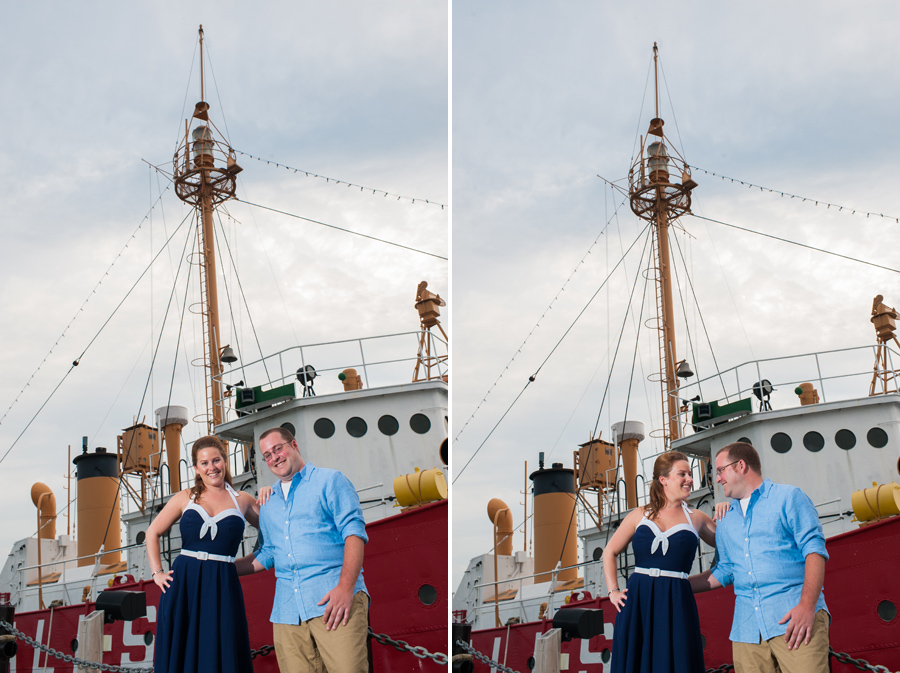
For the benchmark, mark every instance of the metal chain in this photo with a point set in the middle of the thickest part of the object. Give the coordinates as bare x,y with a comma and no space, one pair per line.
68,657
842,657
384,639
263,651
482,657
860,664
403,646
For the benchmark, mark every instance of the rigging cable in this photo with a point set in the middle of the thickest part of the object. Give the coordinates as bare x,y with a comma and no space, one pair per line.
637,339
172,297
538,323
244,297
671,106
532,378
262,245
187,89
80,310
684,313
333,226
624,322
630,378
77,360
690,283
802,245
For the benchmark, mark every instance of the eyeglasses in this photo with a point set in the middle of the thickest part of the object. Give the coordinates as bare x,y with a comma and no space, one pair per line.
720,470
277,450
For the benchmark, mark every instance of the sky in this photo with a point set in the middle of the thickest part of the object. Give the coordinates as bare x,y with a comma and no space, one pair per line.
549,96
96,95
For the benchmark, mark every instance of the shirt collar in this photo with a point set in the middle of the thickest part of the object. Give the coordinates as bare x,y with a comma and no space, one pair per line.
303,475
763,489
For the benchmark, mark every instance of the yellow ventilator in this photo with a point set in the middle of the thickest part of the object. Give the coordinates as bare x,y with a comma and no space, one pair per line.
878,502
420,487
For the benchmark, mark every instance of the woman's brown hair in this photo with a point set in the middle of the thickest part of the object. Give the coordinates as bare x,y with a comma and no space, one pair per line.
661,468
208,442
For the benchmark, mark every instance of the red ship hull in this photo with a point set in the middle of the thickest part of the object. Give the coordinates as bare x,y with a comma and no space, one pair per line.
406,554
862,591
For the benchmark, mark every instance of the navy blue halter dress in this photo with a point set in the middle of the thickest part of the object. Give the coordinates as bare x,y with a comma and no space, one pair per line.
202,626
658,629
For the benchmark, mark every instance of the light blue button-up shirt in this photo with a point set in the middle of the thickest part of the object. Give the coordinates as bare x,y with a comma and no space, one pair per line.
764,555
304,540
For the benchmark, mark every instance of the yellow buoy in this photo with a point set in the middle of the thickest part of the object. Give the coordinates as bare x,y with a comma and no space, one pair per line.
878,502
420,487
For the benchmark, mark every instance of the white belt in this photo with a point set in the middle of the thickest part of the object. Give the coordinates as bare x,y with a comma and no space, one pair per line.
203,556
656,572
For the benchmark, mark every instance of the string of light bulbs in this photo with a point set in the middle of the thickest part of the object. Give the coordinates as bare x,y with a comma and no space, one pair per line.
828,205
327,179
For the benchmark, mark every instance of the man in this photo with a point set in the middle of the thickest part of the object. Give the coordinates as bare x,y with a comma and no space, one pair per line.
771,547
314,534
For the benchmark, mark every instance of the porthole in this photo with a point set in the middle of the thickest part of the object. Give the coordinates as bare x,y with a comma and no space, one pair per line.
597,553
324,428
845,439
388,425
356,427
148,638
887,611
781,442
445,458
427,594
745,440
290,428
530,663
813,441
74,645
420,423
877,438
140,537
605,655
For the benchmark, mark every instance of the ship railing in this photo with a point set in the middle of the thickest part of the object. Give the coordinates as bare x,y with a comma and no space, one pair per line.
380,361
61,585
839,374
484,599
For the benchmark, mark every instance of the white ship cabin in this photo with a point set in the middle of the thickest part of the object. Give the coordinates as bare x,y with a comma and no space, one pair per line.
811,418
353,406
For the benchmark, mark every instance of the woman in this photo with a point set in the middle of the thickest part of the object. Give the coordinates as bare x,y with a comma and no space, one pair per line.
657,628
201,625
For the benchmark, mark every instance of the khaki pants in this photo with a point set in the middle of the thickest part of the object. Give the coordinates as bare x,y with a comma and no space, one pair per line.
309,648
773,656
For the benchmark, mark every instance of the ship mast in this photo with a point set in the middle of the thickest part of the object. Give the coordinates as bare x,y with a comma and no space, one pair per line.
205,176
660,200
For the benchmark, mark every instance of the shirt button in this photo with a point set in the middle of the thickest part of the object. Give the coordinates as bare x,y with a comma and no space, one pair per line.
756,608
